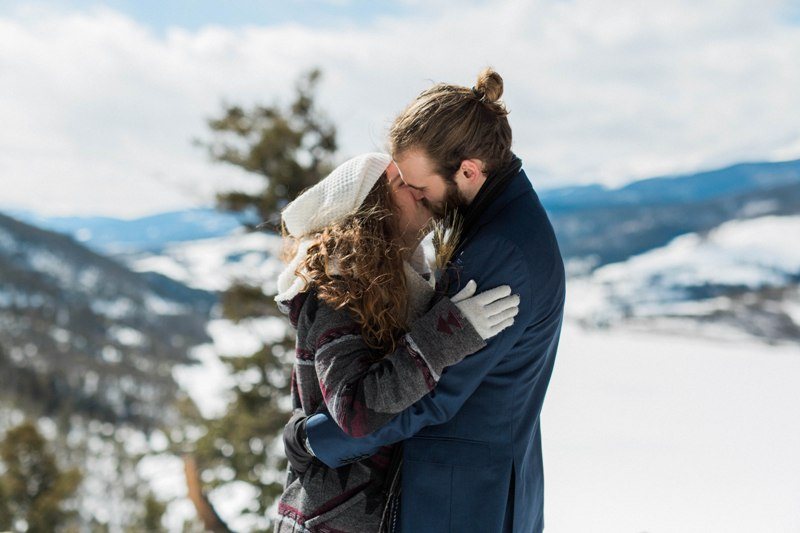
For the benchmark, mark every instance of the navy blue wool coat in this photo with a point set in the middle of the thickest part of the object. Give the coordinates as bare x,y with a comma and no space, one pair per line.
472,456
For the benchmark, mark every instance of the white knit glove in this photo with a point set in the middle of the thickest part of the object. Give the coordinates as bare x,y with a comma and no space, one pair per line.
489,312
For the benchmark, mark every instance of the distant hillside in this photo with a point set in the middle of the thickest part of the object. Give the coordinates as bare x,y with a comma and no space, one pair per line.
741,276
592,222
612,225
737,179
113,236
214,264
83,334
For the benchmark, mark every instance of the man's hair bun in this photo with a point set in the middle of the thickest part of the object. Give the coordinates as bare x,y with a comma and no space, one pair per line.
489,85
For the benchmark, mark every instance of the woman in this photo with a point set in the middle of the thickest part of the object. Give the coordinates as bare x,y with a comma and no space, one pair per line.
370,342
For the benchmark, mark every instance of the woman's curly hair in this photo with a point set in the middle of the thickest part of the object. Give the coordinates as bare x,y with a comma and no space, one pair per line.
357,264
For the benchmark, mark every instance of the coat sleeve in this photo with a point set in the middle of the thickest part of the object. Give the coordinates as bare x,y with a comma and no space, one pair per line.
491,262
361,391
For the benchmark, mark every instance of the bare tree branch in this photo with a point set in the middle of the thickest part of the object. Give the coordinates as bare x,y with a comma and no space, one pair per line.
209,517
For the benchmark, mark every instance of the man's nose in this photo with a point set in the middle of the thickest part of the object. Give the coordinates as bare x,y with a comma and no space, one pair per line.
418,195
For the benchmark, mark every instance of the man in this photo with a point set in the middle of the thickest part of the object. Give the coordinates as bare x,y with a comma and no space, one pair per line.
472,457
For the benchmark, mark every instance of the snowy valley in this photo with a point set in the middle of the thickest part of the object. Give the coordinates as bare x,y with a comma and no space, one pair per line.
673,405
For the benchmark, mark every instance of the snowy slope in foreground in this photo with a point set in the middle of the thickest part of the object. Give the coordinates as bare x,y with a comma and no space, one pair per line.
645,432
658,433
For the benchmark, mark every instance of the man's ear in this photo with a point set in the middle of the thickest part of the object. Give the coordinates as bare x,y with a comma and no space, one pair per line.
470,177
471,170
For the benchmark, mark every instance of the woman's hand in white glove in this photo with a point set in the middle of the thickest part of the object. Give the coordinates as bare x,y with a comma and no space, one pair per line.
489,312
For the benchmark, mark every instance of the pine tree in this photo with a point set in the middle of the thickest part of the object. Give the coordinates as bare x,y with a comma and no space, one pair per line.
290,148
33,490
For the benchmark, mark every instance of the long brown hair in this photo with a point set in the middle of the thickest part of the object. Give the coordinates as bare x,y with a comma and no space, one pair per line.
451,123
357,264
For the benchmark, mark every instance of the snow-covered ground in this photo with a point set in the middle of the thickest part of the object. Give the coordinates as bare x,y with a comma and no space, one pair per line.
643,431
656,433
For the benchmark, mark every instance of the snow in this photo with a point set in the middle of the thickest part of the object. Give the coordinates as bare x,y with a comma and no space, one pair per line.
7,241
110,354
114,309
759,207
752,253
126,336
46,262
650,424
166,478
645,432
792,307
234,502
89,278
642,431
60,334
158,305
208,383
740,252
213,264
649,432
246,336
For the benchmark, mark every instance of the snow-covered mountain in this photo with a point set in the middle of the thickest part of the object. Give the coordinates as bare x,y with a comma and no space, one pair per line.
742,178
591,221
742,277
103,336
214,263
88,349
603,226
113,236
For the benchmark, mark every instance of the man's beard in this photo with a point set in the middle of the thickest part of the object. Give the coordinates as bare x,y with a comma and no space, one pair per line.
454,202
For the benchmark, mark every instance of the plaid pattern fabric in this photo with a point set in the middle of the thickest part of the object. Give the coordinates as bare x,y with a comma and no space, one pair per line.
362,390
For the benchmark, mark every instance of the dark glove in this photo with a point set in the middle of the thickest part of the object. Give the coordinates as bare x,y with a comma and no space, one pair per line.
294,438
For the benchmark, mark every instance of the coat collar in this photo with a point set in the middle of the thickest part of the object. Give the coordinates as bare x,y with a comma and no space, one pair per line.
519,185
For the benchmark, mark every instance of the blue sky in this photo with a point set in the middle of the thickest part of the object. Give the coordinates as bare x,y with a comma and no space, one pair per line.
194,14
599,92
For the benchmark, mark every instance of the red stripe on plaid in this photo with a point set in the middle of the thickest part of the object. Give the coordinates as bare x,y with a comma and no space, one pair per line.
304,355
291,512
379,461
357,424
295,305
422,366
335,333
330,504
295,515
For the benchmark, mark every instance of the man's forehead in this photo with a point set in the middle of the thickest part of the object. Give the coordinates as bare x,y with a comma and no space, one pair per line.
414,173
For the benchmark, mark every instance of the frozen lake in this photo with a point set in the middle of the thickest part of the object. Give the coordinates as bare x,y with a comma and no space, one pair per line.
658,433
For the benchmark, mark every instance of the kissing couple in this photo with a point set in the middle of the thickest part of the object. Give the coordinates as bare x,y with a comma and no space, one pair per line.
419,378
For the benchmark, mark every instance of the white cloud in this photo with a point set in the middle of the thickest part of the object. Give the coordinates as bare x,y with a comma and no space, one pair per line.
98,112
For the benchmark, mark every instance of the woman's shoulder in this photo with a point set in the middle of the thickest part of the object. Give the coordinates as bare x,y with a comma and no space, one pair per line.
298,305
308,311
